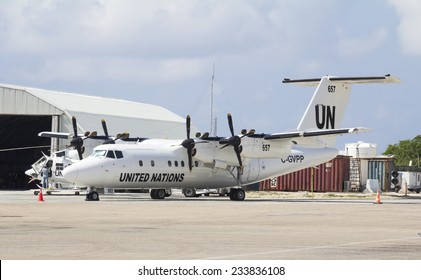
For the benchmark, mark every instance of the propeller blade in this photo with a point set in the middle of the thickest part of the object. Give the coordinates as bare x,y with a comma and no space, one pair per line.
226,145
205,135
108,140
104,127
188,143
122,136
231,126
190,156
237,152
74,127
79,152
93,134
76,141
234,141
188,126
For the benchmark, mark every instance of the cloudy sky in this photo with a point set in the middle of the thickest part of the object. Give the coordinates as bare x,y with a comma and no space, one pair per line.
163,52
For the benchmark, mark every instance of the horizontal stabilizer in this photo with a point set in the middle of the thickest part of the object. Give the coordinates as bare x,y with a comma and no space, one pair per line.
347,80
315,133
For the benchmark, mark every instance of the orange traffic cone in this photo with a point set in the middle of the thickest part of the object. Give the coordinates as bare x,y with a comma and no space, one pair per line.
40,196
378,198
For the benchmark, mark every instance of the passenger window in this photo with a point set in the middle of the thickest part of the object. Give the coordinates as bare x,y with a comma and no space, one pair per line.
176,163
169,163
152,163
140,163
110,154
182,163
119,154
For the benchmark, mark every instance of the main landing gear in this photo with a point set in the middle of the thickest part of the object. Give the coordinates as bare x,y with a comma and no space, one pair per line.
91,195
237,194
160,193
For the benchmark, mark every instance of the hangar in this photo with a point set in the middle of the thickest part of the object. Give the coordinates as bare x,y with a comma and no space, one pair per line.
24,112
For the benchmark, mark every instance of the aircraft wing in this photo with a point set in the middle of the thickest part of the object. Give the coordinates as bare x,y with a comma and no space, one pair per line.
49,134
314,133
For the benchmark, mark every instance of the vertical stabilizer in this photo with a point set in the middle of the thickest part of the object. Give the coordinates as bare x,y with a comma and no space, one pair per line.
326,109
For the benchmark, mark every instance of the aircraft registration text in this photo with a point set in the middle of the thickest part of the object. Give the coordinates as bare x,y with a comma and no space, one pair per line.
293,158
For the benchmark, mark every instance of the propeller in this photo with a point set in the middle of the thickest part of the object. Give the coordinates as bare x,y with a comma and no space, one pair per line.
77,141
205,135
234,140
122,136
189,143
107,137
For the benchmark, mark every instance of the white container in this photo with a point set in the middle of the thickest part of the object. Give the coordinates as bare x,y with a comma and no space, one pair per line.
372,185
361,150
412,179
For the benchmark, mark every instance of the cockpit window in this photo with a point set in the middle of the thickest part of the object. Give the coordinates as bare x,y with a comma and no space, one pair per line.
119,154
110,154
99,153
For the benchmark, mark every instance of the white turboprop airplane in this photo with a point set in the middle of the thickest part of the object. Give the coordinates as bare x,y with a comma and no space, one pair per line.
221,162
59,160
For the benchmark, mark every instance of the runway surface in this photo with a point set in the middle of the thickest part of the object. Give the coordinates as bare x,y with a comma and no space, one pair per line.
133,226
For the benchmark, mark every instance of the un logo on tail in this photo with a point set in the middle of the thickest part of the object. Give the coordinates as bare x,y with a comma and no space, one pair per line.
325,116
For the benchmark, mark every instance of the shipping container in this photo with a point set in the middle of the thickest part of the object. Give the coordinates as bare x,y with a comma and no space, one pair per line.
327,177
380,169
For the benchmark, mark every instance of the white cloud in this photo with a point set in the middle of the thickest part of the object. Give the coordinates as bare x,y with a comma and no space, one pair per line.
409,27
165,41
119,69
359,46
76,39
133,26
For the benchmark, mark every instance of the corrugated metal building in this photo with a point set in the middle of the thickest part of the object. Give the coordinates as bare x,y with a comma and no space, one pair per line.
24,112
326,177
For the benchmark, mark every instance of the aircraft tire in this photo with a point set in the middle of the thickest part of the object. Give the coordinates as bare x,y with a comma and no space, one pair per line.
161,193
237,194
158,194
153,194
240,195
231,194
92,196
189,192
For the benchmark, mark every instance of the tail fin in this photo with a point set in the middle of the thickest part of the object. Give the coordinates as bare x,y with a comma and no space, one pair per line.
327,106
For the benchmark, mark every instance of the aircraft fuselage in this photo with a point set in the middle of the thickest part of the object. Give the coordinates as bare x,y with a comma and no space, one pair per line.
164,165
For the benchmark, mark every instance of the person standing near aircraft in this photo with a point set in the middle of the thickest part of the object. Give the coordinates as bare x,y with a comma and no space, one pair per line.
45,171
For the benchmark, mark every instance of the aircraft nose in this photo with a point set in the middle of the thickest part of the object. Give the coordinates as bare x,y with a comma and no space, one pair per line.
70,173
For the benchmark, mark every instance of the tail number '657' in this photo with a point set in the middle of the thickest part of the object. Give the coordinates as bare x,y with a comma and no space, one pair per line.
266,147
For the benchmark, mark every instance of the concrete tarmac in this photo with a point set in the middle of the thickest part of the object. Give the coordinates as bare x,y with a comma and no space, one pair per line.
133,226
